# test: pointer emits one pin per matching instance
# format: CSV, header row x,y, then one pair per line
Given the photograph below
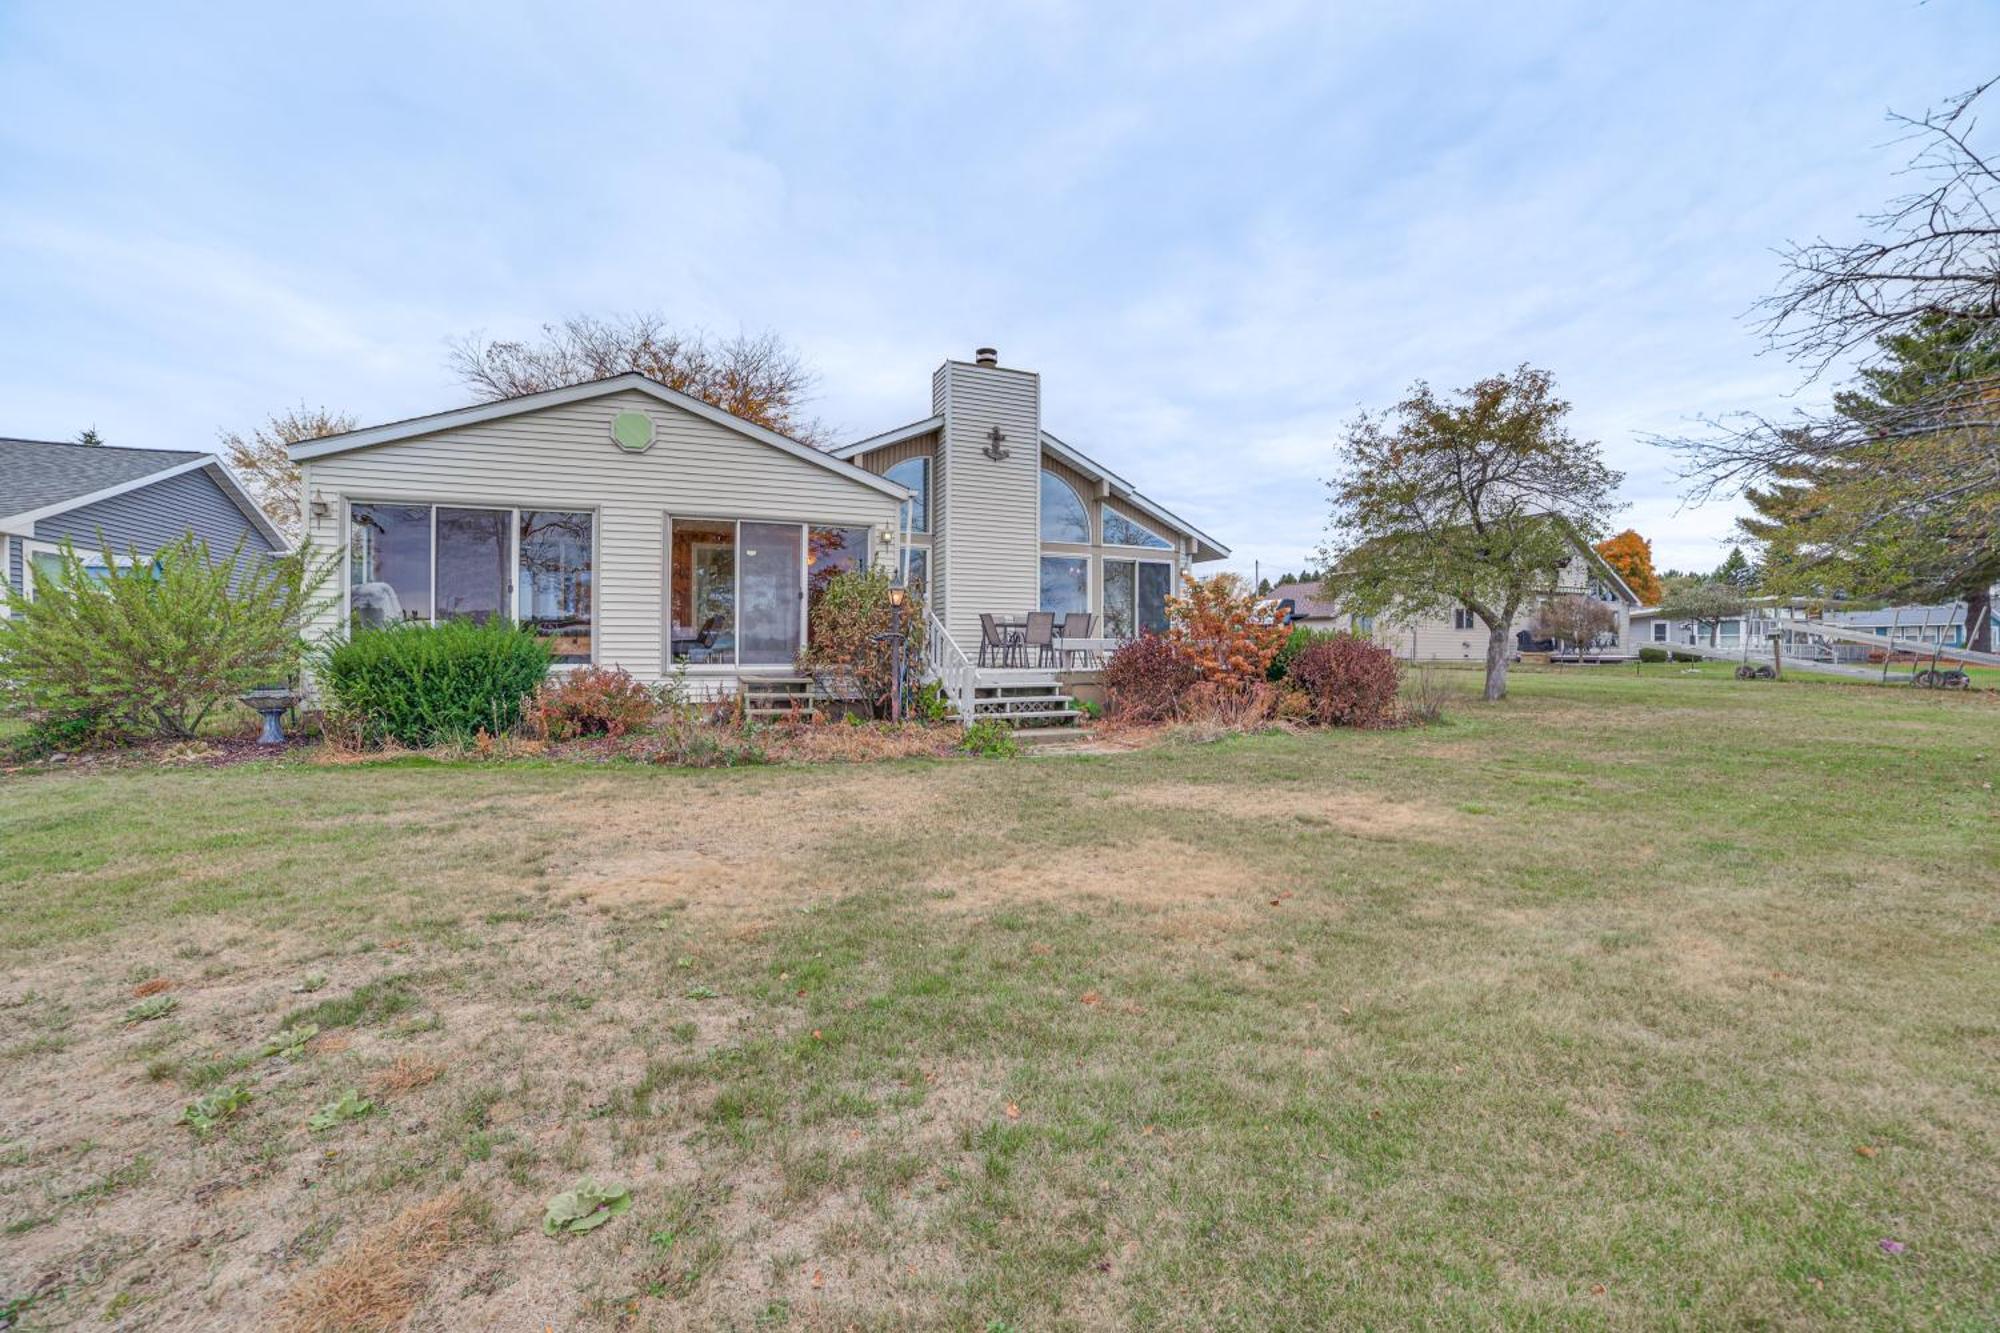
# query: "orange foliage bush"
x,y
1215,625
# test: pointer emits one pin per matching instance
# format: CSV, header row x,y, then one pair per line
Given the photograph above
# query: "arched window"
x,y
915,473
1064,519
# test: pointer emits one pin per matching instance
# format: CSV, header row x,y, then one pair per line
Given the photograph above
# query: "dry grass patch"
x,y
1364,814
375,1282
407,1073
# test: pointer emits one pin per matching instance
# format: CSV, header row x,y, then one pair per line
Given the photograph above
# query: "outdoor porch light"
x,y
320,508
897,594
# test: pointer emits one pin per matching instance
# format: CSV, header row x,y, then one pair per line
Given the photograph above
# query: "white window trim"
x,y
513,600
1104,609
1089,578
805,526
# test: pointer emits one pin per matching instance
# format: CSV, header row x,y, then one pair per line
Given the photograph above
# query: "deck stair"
x,y
778,699
1023,701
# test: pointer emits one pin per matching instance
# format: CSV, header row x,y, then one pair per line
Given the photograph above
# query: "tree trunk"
x,y
1979,619
1496,662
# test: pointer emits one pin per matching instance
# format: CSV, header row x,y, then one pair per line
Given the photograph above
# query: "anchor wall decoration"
x,y
996,448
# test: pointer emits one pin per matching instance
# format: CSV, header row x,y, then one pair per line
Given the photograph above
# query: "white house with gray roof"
x,y
112,503
643,528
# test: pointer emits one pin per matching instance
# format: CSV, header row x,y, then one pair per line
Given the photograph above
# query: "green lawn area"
x,y
1642,999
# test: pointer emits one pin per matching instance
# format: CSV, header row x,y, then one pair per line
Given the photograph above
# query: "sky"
x,y
1218,231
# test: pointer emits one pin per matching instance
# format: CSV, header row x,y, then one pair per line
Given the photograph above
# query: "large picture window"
x,y
425,563
1122,531
914,473
1135,597
1065,583
1064,519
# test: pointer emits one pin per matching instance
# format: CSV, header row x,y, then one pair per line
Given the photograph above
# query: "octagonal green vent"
x,y
633,431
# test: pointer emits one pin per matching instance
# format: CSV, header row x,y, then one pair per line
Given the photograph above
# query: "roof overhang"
x,y
1206,547
914,430
631,381
23,524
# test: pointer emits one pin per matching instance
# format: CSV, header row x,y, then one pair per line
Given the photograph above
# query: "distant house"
x,y
1458,635
110,502
1941,623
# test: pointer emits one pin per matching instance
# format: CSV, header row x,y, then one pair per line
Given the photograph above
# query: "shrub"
x,y
995,740
850,610
1146,680
1652,654
427,684
590,701
1423,699
151,647
1295,643
1352,682
1218,625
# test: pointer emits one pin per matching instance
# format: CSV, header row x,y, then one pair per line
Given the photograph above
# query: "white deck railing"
x,y
946,663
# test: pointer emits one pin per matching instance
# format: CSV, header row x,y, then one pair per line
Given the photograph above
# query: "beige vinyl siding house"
x,y
1459,636
643,529
554,454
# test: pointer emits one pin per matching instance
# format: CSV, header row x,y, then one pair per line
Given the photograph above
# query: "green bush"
x,y
995,740
430,684
1299,640
150,647
1651,654
850,612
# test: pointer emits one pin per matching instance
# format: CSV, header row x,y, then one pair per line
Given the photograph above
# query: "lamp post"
x,y
898,595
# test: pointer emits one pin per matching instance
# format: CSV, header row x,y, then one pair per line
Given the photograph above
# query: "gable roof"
x,y
42,478
1207,547
1306,598
630,381
35,474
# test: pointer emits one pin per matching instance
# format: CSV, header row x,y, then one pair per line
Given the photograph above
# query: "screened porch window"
x,y
424,563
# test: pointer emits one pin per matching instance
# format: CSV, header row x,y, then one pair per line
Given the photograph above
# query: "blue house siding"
x,y
154,515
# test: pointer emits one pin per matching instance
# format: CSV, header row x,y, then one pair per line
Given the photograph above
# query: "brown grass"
x,y
407,1074
375,1282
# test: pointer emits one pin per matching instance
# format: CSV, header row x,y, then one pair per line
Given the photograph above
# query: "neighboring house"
x,y
642,528
1459,635
110,502
1941,623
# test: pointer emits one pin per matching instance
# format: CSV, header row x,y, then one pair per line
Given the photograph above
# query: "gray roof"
x,y
1912,615
37,473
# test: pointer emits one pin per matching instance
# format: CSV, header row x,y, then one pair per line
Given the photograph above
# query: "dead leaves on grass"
x,y
374,1283
407,1074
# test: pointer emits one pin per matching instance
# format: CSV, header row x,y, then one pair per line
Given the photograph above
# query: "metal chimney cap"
x,y
986,356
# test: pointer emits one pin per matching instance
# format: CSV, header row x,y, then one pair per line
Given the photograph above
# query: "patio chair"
x,y
1041,637
995,646
1076,626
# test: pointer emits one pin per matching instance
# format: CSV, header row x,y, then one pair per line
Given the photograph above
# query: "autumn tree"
x,y
1895,492
1708,602
754,376
1474,501
1215,624
1632,556
1574,619
262,460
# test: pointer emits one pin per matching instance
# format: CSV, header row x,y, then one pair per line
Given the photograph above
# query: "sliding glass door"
x,y
773,594
739,591
1135,597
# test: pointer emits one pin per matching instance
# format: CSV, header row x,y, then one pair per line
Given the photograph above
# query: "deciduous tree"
x,y
1709,602
263,459
1632,556
1473,501
1574,619
754,376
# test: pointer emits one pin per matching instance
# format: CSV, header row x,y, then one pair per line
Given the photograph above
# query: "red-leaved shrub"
x,y
1147,679
590,701
1351,682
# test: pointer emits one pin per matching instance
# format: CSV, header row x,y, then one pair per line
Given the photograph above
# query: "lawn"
x,y
1638,1000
